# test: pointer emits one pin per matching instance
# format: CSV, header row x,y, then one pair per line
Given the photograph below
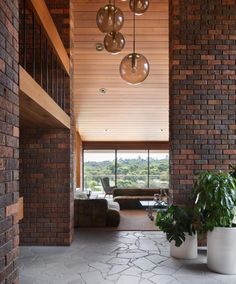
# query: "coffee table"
x,y
150,206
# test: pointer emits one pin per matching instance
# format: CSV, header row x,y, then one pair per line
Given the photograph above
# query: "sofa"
x,y
129,198
96,213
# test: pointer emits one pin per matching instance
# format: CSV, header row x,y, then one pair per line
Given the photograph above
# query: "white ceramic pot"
x,y
221,250
188,249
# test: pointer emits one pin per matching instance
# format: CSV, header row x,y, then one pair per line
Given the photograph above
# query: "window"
x,y
98,164
126,168
132,169
158,169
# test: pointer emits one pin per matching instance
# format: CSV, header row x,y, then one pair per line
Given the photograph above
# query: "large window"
x,y
158,169
98,164
132,169
126,168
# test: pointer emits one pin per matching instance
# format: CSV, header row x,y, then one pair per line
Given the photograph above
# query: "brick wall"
x,y
202,90
60,12
9,133
45,186
32,50
46,167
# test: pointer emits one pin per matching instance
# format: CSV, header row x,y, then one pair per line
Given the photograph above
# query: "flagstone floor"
x,y
114,257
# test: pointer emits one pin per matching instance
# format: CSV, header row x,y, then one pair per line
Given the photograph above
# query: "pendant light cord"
x,y
134,28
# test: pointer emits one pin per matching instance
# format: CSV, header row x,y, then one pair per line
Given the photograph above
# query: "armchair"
x,y
106,186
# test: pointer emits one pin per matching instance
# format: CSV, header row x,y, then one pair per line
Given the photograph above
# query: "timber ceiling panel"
x,y
130,113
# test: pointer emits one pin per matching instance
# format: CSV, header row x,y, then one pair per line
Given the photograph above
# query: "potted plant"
x,y
177,223
215,199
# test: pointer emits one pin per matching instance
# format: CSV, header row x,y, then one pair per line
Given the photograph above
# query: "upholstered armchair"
x,y
106,186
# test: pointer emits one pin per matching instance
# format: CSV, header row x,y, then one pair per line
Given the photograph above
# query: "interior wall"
x,y
47,165
202,90
9,141
45,186
61,15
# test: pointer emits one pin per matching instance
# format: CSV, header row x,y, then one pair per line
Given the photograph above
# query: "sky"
x,y
104,156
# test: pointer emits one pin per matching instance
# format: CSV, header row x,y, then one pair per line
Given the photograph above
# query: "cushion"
x,y
113,205
79,194
148,197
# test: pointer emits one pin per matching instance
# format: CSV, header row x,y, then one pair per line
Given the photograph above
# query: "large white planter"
x,y
221,250
188,249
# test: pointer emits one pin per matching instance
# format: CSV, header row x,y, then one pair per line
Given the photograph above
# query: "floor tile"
x,y
114,258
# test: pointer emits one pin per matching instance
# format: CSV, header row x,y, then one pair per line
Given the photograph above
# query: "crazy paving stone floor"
x,y
114,257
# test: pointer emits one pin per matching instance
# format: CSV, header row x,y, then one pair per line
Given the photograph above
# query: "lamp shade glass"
x,y
114,42
134,68
138,6
110,18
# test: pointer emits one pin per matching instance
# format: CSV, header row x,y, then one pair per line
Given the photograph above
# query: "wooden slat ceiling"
x,y
131,113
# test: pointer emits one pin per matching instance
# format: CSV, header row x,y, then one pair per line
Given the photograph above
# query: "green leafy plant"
x,y
176,222
215,199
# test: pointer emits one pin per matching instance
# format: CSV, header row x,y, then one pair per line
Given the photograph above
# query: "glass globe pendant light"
x,y
138,6
109,18
114,41
134,68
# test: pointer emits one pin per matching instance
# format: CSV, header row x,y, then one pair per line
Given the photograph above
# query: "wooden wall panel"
x,y
131,145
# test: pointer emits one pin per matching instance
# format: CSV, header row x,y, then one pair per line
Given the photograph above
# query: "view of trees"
x,y
130,173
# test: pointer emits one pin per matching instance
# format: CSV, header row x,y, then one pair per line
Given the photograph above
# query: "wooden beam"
x,y
133,145
33,90
46,20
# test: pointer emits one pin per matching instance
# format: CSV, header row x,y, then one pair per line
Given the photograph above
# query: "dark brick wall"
x,y
46,167
60,12
55,81
202,90
9,133
45,186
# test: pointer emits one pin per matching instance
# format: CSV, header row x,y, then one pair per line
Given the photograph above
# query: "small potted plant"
x,y
215,200
178,224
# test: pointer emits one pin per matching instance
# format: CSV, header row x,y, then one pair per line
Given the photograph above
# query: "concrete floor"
x,y
114,257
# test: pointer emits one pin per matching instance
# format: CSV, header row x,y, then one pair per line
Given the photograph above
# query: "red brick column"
x,y
202,90
9,136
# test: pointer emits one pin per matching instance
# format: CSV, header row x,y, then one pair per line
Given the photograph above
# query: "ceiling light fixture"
x,y
110,18
134,68
114,41
102,91
99,46
139,6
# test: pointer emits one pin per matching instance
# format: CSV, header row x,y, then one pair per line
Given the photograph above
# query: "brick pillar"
x,y
45,184
9,134
202,90
46,166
